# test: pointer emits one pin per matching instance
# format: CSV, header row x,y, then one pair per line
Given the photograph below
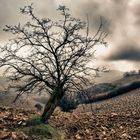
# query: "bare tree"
x,y
48,56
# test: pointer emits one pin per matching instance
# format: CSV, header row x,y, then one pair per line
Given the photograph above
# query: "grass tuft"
x,y
35,128
35,120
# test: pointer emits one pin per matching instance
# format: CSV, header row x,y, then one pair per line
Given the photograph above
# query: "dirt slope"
x,y
114,119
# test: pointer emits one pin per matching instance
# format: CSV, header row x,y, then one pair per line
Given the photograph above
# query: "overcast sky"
x,y
122,23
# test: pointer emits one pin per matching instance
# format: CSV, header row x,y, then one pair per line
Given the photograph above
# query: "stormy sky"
x,y
121,21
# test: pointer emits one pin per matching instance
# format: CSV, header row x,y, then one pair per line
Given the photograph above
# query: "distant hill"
x,y
103,77
127,80
102,91
106,82
109,76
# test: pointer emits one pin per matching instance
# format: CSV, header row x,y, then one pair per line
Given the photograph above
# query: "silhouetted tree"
x,y
50,56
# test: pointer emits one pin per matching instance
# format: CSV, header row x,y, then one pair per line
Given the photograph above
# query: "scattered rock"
x,y
4,135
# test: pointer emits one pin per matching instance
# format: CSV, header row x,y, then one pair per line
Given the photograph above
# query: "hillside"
x,y
127,80
109,76
117,118
100,92
100,89
113,119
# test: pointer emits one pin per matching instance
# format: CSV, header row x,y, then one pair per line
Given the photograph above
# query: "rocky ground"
x,y
10,119
114,119
119,104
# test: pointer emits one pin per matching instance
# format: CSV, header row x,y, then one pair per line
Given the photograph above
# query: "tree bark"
x,y
50,106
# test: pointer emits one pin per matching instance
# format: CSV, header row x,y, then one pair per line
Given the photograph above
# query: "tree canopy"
x,y
50,56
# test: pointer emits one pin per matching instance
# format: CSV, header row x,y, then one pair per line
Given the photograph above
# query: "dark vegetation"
x,y
68,103
34,127
131,73
38,106
21,124
118,91
103,87
98,93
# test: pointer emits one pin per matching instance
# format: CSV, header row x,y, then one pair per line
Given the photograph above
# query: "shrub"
x,y
104,87
38,107
35,128
35,120
67,104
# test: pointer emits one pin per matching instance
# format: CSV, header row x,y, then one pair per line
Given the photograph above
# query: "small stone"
x,y
87,131
104,128
78,137
14,135
19,123
113,114
24,124
125,135
104,133
4,135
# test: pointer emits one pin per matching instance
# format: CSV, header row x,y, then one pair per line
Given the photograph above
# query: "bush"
x,y
38,107
131,73
35,120
104,87
35,128
67,104
42,130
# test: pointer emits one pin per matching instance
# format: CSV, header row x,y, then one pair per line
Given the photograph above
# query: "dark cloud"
x,y
129,52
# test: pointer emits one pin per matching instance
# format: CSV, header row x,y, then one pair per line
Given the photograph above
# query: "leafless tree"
x,y
50,56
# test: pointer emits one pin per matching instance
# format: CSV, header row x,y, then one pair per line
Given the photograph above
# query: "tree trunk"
x,y
49,108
